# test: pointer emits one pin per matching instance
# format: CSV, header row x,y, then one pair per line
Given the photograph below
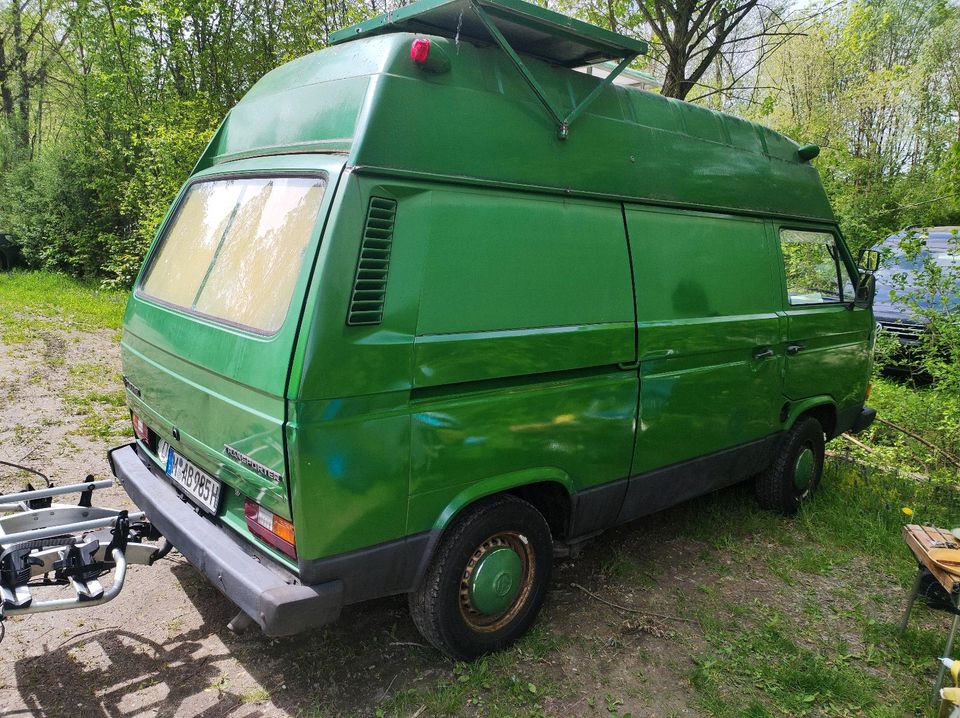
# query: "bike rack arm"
x,y
61,604
59,529
54,491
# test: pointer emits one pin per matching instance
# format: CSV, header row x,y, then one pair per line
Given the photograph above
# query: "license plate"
x,y
197,484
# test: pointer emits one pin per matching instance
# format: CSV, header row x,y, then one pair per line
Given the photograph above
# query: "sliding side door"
x,y
708,333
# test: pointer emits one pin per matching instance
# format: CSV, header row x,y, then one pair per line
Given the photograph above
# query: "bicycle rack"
x,y
48,544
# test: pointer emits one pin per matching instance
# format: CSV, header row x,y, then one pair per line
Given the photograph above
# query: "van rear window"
x,y
233,250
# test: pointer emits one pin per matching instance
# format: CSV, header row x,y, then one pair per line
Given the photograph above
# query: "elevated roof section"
x,y
478,123
530,30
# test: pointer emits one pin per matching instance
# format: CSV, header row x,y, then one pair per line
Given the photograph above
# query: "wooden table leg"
x,y
911,597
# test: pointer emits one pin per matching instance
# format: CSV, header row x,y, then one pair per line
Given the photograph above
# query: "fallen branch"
x,y
946,454
857,442
628,609
876,465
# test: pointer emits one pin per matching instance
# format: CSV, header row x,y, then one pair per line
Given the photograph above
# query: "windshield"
x,y
908,265
234,248
900,261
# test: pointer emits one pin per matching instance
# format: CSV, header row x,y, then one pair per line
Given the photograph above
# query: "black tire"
x,y
777,488
440,605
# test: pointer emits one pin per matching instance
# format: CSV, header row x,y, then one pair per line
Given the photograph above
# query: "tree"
x,y
870,82
732,37
941,62
26,51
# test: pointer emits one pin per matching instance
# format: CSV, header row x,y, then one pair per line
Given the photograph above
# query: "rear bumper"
x,y
864,419
280,606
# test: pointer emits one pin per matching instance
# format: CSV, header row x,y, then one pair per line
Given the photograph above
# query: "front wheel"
x,y
795,472
487,581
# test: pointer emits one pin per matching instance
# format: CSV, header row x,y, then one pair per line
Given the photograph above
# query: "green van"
x,y
434,307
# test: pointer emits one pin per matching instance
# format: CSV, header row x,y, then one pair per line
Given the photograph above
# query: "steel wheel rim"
x,y
519,543
803,470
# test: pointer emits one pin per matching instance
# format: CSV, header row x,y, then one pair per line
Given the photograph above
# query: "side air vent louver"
x,y
370,282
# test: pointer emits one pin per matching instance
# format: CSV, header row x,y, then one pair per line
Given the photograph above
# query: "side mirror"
x,y
868,260
866,290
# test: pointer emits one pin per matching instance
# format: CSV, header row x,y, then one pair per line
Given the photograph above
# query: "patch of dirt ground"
x,y
162,647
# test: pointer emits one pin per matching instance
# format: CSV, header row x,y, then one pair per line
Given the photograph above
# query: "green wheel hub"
x,y
496,581
803,469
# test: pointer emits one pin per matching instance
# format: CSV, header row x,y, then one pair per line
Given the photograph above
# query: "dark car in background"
x,y
904,255
10,256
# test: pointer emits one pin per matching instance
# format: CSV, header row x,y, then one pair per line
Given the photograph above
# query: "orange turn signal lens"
x,y
283,528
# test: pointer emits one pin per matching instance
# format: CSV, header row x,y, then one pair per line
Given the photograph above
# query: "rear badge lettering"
x,y
255,466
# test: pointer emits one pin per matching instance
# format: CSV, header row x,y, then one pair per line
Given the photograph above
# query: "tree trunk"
x,y
6,94
675,82
22,132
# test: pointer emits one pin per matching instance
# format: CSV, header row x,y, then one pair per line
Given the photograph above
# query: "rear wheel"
x,y
795,473
487,581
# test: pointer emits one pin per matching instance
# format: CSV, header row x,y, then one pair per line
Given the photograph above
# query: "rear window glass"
x,y
234,249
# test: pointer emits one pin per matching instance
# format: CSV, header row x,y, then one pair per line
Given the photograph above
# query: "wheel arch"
x,y
546,489
550,491
821,408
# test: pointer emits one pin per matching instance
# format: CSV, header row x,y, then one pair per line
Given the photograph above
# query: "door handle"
x,y
763,353
794,348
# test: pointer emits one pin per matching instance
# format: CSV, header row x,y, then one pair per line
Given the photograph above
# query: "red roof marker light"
x,y
420,50
429,56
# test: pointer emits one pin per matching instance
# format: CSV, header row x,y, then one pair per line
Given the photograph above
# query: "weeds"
x,y
31,302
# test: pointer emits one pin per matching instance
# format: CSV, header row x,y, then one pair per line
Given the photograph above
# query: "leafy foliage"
x,y
873,83
105,106
110,105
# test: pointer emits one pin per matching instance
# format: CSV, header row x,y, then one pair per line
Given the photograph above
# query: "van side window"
x,y
814,267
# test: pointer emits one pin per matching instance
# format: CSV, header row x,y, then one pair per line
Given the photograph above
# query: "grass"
x,y
254,696
795,654
41,308
511,683
31,302
928,411
821,642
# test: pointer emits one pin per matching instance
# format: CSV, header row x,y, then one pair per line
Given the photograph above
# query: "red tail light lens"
x,y
266,525
140,428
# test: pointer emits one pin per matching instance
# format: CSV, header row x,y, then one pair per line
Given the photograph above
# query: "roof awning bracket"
x,y
563,122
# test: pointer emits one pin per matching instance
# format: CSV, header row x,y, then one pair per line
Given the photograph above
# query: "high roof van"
x,y
433,305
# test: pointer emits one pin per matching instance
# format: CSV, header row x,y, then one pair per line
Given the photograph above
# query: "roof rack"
x,y
517,27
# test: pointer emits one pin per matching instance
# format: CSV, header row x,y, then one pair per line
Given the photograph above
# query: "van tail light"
x,y
266,525
869,389
140,428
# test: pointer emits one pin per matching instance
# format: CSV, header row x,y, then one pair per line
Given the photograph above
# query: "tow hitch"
x,y
48,544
